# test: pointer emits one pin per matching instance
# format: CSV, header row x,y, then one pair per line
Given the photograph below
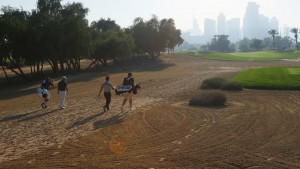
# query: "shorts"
x,y
128,95
48,96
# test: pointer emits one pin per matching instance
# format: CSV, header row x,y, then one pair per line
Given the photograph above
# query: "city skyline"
x,y
183,12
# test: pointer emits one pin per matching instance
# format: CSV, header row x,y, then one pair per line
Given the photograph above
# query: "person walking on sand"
x,y
45,86
62,90
107,86
128,96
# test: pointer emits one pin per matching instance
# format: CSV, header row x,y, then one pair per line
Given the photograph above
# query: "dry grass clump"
x,y
213,83
232,86
208,99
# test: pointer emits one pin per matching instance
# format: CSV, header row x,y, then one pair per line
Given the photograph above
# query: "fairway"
x,y
270,78
251,56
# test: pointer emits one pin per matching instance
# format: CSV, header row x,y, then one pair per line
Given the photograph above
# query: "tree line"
x,y
61,36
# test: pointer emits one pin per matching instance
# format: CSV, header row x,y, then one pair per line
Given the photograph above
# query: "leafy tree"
x,y
13,37
295,32
244,45
220,43
256,45
109,42
273,33
76,36
153,37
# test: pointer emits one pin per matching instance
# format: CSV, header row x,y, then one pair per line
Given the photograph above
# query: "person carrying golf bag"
x,y
128,81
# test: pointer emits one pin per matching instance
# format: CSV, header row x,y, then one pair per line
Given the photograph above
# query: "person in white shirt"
x,y
107,86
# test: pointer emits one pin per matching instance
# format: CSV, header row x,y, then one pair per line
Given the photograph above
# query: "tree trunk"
x,y
62,68
5,73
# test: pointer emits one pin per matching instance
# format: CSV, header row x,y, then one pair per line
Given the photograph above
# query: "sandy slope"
x,y
256,129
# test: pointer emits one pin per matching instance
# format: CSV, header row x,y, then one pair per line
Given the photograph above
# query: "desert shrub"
x,y
208,99
213,83
232,86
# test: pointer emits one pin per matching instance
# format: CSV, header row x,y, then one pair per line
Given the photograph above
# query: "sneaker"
x,y
43,105
122,109
131,109
62,107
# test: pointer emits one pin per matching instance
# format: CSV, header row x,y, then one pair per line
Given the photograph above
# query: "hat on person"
x,y
64,77
129,74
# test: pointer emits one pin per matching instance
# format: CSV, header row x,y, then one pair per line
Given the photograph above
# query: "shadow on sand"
x,y
5,119
82,122
107,122
38,116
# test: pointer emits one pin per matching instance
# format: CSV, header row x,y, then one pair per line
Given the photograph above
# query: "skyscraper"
x,y
251,19
209,28
274,24
221,24
196,30
256,25
233,29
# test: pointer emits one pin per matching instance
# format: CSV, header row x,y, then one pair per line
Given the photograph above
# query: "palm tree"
x,y
273,33
295,31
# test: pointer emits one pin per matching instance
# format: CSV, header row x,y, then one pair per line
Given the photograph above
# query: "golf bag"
x,y
127,89
123,89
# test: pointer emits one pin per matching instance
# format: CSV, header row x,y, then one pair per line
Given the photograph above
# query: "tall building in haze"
x,y
251,19
233,29
209,28
196,30
256,25
274,24
221,24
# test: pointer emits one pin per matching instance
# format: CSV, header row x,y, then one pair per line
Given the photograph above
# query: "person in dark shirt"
x,y
62,90
45,85
128,96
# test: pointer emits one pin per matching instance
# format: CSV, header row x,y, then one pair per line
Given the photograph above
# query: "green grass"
x,y
270,78
251,56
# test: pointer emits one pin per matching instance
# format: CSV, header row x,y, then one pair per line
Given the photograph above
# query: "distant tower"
x,y
196,30
233,29
286,30
209,28
274,24
251,21
221,24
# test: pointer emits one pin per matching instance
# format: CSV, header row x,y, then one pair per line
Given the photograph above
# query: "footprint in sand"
x,y
176,142
140,156
31,161
187,136
161,159
55,153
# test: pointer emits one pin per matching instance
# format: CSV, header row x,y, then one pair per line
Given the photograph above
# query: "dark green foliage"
x,y
220,43
232,86
60,36
154,36
213,83
256,45
208,99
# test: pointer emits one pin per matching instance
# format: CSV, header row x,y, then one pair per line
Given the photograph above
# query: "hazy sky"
x,y
182,11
